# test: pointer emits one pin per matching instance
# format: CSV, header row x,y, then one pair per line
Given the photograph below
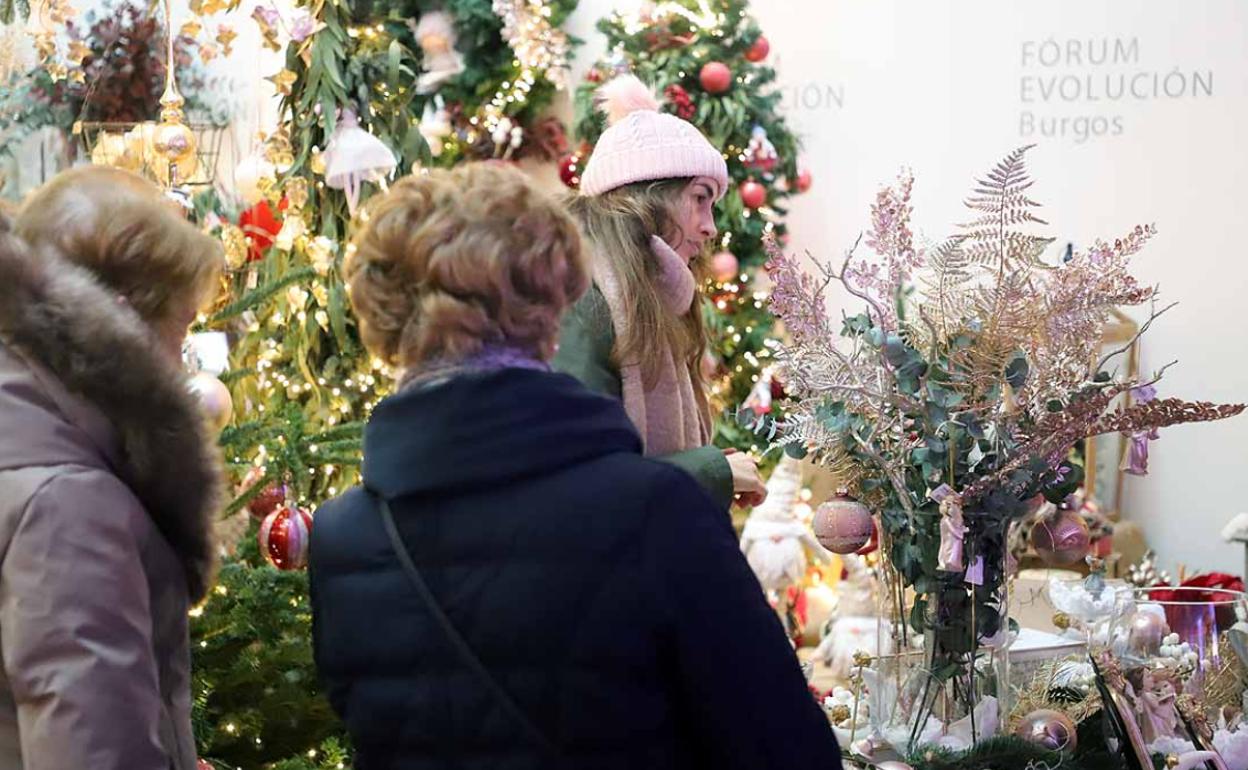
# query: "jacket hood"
x,y
80,378
489,428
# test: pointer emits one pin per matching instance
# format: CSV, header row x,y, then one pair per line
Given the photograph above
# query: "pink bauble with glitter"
x,y
842,524
1061,539
724,266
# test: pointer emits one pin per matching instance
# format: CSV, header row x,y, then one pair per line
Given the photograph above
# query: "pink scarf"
x,y
667,416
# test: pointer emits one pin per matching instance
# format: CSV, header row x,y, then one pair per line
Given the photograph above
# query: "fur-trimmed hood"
x,y
91,362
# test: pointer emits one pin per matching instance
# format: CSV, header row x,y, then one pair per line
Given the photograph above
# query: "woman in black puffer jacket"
x,y
566,602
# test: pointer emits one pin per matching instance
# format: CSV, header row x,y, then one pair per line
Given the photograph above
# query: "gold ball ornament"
x,y
214,398
174,143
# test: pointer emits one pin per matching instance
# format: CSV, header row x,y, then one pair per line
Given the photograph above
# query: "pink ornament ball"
x,y
842,524
715,77
284,536
1062,539
724,266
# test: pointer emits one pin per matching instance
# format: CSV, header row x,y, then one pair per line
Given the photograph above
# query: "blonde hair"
x,y
618,225
122,229
453,260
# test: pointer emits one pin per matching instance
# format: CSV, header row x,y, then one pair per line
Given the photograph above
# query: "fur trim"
x,y
625,95
58,314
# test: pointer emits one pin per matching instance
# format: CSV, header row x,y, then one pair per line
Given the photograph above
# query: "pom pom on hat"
x,y
641,143
625,95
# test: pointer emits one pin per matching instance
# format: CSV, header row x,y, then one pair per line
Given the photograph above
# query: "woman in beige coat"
x,y
108,479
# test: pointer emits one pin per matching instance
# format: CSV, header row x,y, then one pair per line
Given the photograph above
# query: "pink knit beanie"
x,y
641,143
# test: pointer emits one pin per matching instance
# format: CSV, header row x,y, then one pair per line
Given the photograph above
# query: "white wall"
x,y
938,85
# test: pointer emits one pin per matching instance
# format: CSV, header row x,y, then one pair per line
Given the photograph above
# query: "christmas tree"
x,y
707,59
370,89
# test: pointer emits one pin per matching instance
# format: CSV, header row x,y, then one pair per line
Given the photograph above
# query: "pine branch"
x,y
261,294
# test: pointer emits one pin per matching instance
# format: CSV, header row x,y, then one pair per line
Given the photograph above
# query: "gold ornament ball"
x,y
214,398
1048,729
175,144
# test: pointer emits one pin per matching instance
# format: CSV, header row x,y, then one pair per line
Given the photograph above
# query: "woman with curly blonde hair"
x,y
514,585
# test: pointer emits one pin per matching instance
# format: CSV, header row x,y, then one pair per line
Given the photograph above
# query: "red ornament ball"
x,y
1062,539
842,524
758,51
753,194
284,537
570,170
267,501
724,266
715,77
804,180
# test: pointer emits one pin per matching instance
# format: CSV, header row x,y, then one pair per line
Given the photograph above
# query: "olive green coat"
x,y
585,345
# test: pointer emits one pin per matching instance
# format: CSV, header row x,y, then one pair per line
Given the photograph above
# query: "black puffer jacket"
x,y
603,591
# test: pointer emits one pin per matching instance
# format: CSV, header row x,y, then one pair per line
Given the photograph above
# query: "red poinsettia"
x,y
261,225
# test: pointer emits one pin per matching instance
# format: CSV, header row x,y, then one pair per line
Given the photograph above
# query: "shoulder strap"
x,y
457,640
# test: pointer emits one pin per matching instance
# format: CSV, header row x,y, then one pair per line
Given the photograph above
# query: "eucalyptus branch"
x,y
1153,316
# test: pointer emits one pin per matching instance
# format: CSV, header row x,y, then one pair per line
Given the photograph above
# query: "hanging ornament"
x,y
355,156
283,537
436,36
725,267
753,194
682,104
1061,539
594,75
570,170
214,398
1050,730
715,77
173,141
760,154
759,50
842,524
804,180
435,125
268,500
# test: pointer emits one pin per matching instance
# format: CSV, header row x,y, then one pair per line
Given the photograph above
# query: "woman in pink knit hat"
x,y
645,208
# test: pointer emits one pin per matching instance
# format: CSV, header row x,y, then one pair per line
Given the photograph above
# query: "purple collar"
x,y
488,358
